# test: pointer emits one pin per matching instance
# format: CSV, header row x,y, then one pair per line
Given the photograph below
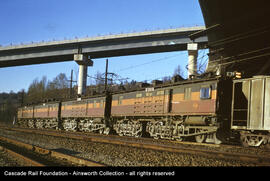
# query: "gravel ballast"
x,y
118,155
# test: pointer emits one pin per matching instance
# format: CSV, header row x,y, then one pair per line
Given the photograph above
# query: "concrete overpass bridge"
x,y
84,49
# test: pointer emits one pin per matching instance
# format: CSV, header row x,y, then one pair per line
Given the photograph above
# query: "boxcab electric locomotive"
x,y
207,109
173,111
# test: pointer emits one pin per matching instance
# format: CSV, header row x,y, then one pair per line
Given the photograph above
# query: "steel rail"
x,y
260,160
16,154
43,151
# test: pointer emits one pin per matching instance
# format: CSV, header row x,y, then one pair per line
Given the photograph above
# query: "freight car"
x,y
208,110
250,115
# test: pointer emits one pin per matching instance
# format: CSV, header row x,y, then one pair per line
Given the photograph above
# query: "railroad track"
x,y
36,156
175,147
21,156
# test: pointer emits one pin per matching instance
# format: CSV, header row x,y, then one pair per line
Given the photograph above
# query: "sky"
x,y
37,20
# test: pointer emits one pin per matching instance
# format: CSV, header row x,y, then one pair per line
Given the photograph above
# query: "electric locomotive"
x,y
206,109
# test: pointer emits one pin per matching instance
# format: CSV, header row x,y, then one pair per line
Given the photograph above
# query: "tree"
x,y
60,81
36,90
178,71
99,79
58,88
21,97
166,79
8,105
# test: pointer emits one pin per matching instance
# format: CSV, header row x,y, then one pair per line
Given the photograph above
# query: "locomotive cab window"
x,y
205,92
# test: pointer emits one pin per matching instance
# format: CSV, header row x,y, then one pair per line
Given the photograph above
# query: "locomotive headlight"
x,y
238,75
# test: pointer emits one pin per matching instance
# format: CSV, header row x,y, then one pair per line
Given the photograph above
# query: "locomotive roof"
x,y
184,82
251,78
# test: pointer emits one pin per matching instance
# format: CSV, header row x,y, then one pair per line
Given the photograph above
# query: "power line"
x,y
146,63
119,78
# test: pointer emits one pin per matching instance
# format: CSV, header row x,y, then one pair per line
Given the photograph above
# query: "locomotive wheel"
x,y
216,140
200,138
244,140
101,131
138,135
106,131
179,139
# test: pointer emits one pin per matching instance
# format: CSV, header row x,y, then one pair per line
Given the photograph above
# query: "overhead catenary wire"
x,y
242,54
135,66
245,59
201,62
146,63
240,36
202,59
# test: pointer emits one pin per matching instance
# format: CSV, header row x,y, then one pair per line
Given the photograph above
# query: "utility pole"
x,y
70,84
106,75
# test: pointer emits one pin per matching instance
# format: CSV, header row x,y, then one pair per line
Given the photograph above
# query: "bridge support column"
x,y
82,79
83,63
192,59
